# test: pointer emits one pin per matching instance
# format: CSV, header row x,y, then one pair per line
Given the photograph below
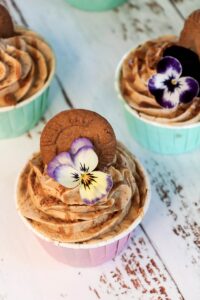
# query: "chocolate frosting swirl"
x,y
26,62
137,68
60,214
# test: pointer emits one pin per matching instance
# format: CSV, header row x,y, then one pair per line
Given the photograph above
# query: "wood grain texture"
x,y
162,260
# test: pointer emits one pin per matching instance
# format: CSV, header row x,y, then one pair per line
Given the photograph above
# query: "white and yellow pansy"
x,y
76,168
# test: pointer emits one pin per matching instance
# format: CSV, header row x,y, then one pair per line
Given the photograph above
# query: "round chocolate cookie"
x,y
65,127
6,24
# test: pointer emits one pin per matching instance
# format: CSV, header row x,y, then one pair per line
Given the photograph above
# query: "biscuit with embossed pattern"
x,y
65,127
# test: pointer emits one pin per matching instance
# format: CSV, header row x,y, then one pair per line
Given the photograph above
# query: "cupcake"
x,y
158,84
27,66
84,192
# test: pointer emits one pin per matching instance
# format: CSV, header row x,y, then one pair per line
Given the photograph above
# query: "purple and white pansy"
x,y
168,87
76,168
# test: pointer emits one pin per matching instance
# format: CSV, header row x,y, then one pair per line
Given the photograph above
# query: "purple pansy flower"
x,y
168,87
76,168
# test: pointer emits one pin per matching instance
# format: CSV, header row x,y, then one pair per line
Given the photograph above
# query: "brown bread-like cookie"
x,y
190,35
65,127
6,24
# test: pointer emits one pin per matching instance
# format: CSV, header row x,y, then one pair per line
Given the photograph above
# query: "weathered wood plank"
x,y
173,218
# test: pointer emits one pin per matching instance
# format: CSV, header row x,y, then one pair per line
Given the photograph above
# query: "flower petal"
x,y
189,88
63,158
80,143
67,176
169,99
170,66
85,160
98,188
156,82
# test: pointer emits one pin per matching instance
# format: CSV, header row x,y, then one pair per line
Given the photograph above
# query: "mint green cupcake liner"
x,y
18,119
96,5
159,138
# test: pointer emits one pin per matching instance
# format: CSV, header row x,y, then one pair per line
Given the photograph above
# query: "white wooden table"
x,y
162,260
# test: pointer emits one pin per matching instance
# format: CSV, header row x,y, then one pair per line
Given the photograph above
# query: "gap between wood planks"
x,y
160,258
173,3
66,97
70,104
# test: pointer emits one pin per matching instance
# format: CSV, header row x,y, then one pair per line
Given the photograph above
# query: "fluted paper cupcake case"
x,y
89,254
159,138
18,119
96,5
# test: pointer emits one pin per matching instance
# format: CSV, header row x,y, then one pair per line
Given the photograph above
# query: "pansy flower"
x,y
168,87
76,168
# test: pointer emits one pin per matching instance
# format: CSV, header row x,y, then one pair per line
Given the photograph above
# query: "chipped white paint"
x,y
163,258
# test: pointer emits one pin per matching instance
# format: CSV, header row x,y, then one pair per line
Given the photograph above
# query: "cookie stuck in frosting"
x,y
6,24
60,132
190,35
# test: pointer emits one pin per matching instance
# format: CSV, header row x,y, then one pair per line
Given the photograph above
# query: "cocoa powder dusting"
x,y
49,201
10,99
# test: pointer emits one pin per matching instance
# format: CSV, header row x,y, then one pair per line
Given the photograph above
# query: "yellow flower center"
x,y
174,81
87,179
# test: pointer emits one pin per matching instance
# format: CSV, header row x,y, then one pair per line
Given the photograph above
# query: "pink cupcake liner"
x,y
85,257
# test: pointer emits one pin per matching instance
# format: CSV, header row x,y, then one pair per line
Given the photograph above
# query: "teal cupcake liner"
x,y
18,119
95,5
159,138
